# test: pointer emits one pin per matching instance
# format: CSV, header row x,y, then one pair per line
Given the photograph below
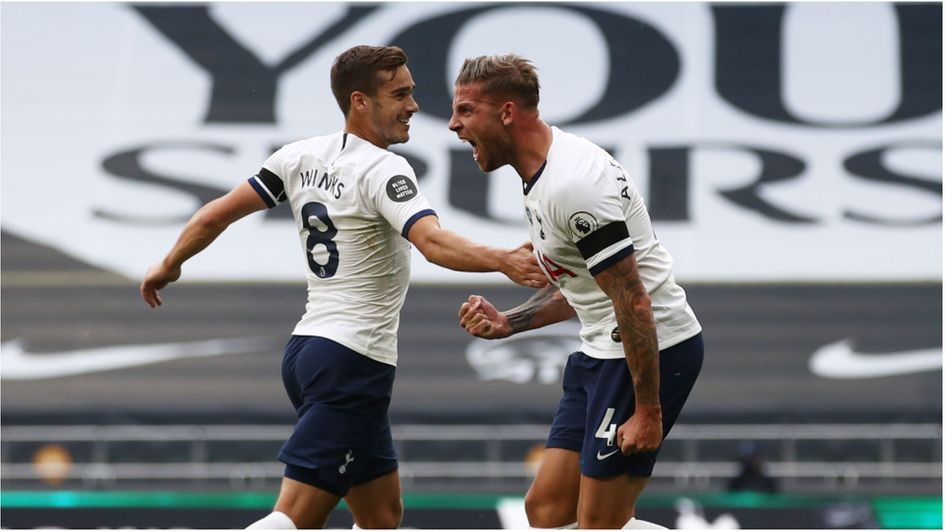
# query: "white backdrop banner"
x,y
773,142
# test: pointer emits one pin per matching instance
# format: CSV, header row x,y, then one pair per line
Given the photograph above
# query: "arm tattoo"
x,y
521,317
637,327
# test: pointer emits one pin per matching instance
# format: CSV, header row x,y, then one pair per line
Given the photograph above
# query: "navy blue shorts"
x,y
598,398
343,437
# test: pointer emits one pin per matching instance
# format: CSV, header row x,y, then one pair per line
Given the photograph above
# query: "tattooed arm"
x,y
480,318
621,282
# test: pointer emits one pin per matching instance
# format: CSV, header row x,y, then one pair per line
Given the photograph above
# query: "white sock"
x,y
636,523
274,521
572,526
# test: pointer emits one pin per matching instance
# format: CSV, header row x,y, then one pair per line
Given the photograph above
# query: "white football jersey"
x,y
585,214
354,204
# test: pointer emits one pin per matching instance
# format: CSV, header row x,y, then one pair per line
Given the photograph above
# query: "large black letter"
x,y
468,187
643,63
244,89
669,182
869,165
775,167
749,67
127,165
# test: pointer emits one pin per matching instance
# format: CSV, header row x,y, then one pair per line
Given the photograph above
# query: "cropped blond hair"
x,y
508,76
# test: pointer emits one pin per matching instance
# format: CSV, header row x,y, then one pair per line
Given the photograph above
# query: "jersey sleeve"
x,y
268,182
594,219
392,188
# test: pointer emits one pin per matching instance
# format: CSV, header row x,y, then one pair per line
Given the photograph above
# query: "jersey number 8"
x,y
316,236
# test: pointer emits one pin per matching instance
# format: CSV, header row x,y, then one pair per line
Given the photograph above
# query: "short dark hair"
x,y
508,76
359,68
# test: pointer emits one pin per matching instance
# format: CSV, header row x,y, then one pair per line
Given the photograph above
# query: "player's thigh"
x,y
306,505
558,476
377,503
552,499
608,502
680,366
374,499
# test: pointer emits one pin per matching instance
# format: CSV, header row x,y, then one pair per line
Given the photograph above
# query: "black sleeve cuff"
x,y
611,260
602,239
413,219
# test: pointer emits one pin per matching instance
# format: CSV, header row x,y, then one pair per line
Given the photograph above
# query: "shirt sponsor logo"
x,y
552,269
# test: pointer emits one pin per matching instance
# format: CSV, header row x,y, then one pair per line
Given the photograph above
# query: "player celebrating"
x,y
593,238
354,204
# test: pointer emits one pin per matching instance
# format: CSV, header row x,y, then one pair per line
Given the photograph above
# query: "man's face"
x,y
392,107
476,120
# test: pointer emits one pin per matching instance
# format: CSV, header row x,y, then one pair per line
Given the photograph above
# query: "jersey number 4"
x,y
314,218
607,430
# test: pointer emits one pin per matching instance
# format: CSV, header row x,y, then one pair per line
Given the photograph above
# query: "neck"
x,y
356,128
532,147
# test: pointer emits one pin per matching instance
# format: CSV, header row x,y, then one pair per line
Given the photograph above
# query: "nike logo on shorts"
x,y
608,455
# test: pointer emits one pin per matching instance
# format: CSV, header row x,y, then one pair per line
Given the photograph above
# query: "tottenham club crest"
x,y
349,457
582,223
528,216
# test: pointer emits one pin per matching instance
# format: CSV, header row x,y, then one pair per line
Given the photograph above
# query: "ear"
x,y
507,113
358,100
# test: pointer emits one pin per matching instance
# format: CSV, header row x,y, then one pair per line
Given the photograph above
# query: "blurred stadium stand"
x,y
811,458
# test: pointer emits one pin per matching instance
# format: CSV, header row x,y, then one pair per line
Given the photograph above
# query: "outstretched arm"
x,y
480,318
450,250
621,282
202,229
